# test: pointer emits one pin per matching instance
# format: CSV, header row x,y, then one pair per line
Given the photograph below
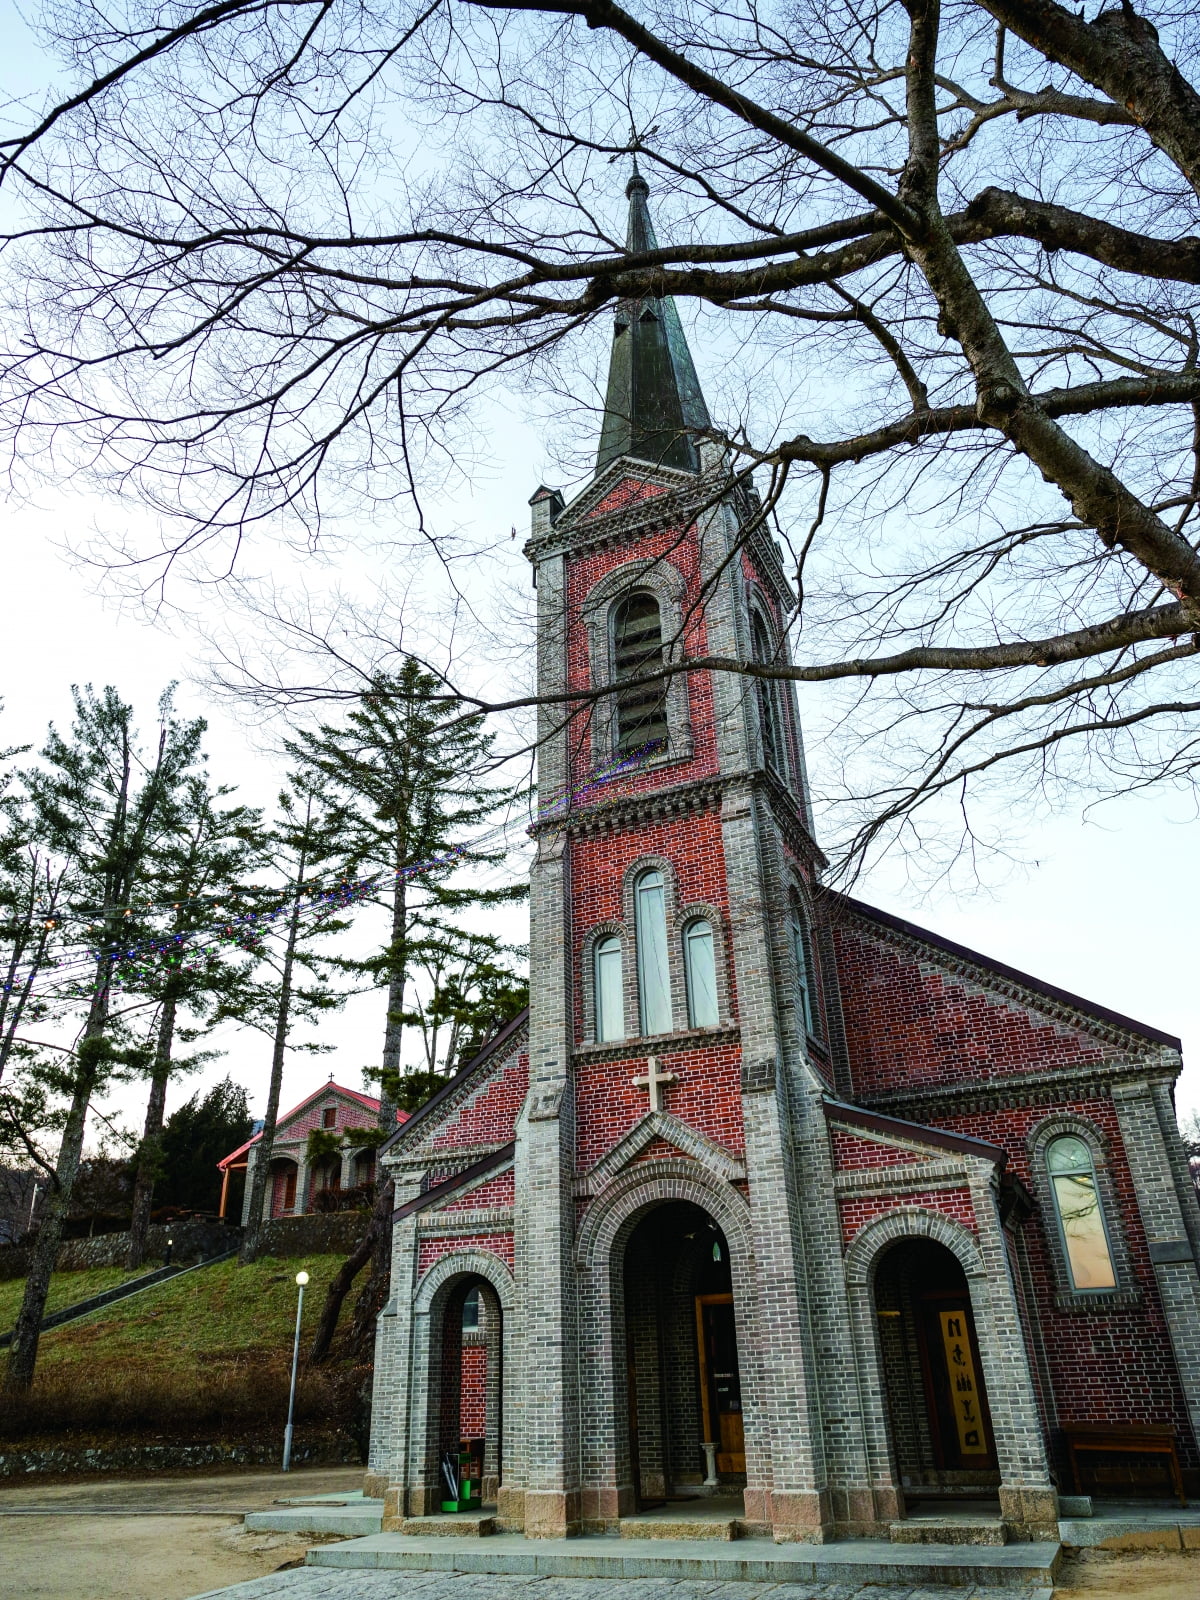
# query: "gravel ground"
x,y
148,1539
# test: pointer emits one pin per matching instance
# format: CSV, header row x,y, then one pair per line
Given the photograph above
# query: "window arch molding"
x,y
701,911
1064,1125
663,580
593,938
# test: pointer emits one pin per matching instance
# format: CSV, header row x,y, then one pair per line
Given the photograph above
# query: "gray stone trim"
x,y
660,1044
1158,1201
614,815
1067,1297
436,1224
661,1125
665,582
1017,1089
449,1156
896,1180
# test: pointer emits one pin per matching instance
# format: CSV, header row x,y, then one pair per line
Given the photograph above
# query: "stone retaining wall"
x,y
337,1451
334,1233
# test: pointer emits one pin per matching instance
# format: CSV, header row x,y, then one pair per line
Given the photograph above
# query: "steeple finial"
x,y
653,403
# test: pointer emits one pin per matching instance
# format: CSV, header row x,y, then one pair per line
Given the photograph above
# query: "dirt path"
x,y
1096,1576
141,1539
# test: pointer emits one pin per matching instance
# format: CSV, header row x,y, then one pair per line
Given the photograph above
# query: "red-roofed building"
x,y
295,1181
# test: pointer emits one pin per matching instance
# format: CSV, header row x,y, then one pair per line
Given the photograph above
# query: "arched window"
x,y
768,697
653,962
610,998
700,965
802,955
1080,1217
638,649
470,1311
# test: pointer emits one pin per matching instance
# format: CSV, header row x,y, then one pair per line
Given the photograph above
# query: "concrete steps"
x,y
1020,1567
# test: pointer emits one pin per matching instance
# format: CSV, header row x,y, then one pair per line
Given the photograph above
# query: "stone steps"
x,y
451,1525
948,1531
678,1528
1018,1567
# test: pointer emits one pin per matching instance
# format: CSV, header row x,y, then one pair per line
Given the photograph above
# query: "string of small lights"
x,y
70,976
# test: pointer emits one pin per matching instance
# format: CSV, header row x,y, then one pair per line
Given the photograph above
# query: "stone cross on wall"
x,y
652,1080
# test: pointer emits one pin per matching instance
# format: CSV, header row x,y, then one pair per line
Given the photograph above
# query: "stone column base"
x,y
865,1513
510,1507
375,1485
1029,1514
552,1514
800,1516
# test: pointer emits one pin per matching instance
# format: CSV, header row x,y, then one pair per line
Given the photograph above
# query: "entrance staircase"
x,y
97,1302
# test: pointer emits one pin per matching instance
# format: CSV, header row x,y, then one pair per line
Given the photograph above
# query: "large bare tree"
x,y
945,258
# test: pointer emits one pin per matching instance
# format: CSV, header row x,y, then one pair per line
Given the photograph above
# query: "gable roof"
x,y
369,1101
962,953
497,1042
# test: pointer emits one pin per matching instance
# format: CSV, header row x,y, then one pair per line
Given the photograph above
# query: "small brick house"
x,y
295,1180
769,1194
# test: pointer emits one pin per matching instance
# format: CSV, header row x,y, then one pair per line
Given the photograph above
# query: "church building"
x,y
769,1196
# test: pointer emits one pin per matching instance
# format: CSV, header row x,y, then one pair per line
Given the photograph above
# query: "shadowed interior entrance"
x,y
684,1385
937,1402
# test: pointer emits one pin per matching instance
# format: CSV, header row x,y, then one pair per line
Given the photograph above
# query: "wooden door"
x,y
720,1381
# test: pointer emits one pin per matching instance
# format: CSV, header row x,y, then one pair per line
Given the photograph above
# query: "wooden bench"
x,y
1150,1438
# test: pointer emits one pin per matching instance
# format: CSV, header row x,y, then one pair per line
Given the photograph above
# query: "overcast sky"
x,y
1104,907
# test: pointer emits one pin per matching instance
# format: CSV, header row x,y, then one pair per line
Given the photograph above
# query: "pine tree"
x,y
412,772
310,844
194,1139
103,807
204,860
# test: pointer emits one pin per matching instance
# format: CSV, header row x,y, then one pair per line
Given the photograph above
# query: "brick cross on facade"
x,y
652,1080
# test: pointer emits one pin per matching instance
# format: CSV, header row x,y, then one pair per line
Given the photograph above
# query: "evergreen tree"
x,y
205,859
309,845
413,774
471,990
103,807
194,1139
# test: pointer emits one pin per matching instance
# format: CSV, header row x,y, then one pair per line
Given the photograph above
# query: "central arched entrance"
x,y
686,1435
938,1414
466,1437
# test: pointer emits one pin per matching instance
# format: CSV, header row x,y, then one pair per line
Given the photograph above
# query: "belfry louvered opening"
x,y
637,650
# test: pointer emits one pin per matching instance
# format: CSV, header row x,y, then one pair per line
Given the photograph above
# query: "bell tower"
x,y
681,1011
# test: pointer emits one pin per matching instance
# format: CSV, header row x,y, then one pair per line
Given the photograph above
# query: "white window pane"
x,y
701,976
654,973
610,1007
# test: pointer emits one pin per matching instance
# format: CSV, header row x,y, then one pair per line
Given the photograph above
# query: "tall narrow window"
x,y
638,649
768,697
654,969
798,933
1080,1218
610,1000
701,968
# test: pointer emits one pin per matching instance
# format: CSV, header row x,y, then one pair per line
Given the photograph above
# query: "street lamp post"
x,y
301,1280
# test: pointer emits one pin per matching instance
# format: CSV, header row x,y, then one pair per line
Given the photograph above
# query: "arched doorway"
x,y
465,1437
283,1197
683,1384
941,1430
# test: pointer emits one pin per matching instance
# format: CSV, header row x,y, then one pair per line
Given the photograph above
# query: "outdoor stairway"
x,y
948,1530
123,1291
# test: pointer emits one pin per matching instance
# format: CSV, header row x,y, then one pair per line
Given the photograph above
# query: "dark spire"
x,y
653,402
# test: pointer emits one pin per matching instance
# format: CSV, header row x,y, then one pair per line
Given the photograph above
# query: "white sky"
x,y
1106,909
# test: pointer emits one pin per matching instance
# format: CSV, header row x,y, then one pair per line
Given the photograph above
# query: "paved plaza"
x,y
323,1583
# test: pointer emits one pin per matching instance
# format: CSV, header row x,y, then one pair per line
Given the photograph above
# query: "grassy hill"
x,y
203,1357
